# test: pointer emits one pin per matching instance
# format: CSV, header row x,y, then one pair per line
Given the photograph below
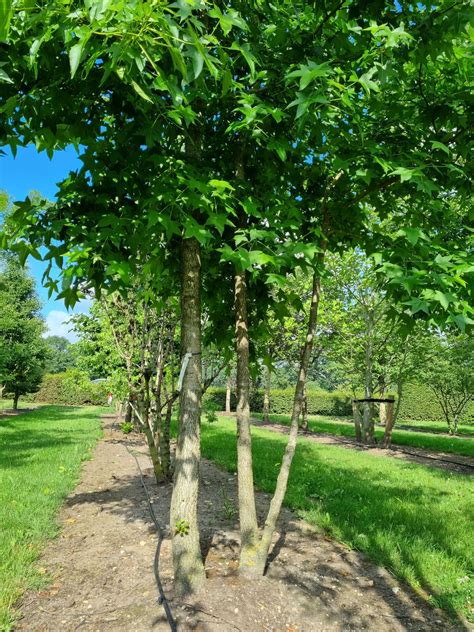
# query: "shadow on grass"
x,y
21,436
413,521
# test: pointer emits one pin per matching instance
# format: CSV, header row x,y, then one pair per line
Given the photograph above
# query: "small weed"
x,y
182,528
126,427
228,510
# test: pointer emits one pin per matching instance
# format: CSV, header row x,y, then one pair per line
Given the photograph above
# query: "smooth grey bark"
x,y
187,561
304,414
389,423
247,509
266,395
357,421
368,430
263,548
228,388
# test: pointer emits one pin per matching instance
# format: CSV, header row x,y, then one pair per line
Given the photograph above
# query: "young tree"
x,y
449,372
23,351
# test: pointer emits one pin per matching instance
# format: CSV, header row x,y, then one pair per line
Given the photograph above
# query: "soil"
x,y
440,460
101,565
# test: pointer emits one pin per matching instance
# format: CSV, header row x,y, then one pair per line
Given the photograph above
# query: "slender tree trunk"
x,y
357,421
187,560
261,553
390,419
16,397
228,388
304,424
166,440
383,407
368,431
399,400
266,395
247,510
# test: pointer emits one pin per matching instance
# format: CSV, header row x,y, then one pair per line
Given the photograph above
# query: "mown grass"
x,y
40,458
416,521
7,404
436,426
437,443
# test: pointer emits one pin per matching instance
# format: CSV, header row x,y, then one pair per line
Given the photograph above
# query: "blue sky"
x,y
33,171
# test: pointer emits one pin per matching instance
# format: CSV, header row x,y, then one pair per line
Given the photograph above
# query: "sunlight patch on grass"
x,y
415,520
331,425
40,457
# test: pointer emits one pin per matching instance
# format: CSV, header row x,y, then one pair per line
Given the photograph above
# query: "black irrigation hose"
x,y
156,562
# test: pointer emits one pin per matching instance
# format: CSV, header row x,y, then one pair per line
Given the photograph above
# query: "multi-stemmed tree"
x,y
258,135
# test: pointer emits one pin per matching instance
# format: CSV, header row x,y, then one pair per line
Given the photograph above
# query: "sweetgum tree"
x,y
265,134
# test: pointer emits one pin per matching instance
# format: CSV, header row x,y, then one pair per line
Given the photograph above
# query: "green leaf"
x,y
444,299
437,145
198,62
4,78
5,18
141,92
226,81
75,53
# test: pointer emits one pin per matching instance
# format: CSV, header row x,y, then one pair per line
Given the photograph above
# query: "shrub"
x,y
73,387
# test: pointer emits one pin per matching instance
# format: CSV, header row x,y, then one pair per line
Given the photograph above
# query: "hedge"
x,y
281,401
71,388
418,403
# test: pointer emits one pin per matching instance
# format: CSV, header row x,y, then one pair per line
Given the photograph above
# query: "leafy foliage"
x,y
23,351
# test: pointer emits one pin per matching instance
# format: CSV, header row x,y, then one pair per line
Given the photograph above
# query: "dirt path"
x,y
440,460
102,576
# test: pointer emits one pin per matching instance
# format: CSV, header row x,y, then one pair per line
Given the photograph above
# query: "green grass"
x,y
7,404
436,426
331,425
414,520
40,458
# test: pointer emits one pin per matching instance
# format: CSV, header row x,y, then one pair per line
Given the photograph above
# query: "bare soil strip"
x,y
101,566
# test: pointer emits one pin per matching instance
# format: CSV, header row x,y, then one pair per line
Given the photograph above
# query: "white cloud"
x,y
58,325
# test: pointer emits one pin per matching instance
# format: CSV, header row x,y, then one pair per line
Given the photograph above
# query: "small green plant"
x,y
229,510
182,528
126,427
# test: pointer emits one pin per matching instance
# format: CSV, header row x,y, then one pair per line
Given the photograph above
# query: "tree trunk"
x,y
266,395
16,397
165,451
187,561
304,423
368,430
247,510
261,553
228,388
390,419
357,421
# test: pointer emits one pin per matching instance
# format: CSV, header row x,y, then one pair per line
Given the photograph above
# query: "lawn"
x,y
436,426
438,443
40,457
416,521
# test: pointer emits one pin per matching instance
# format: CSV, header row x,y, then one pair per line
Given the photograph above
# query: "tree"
x,y
449,372
23,351
263,133
60,354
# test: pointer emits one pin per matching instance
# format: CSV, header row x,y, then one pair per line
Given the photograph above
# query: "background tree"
x,y
23,351
449,372
61,355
